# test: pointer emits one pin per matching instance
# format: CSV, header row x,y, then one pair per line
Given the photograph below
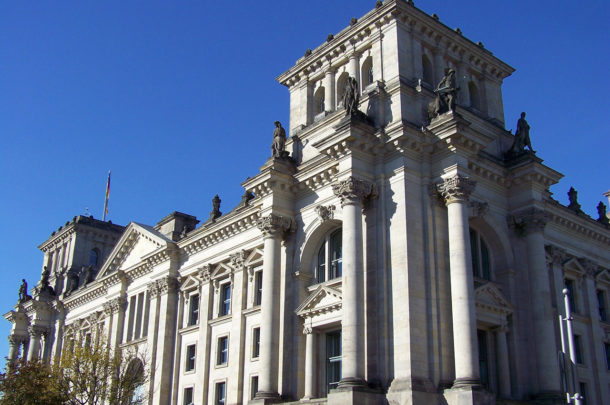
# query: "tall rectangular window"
x,y
225,299
578,349
188,396
571,297
193,310
190,358
253,387
222,351
256,342
333,359
221,392
601,303
607,347
258,287
483,357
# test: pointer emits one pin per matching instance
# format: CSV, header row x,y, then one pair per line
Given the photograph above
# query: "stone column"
x,y
13,347
503,364
354,67
352,192
310,372
35,332
117,308
273,227
439,66
530,223
456,190
329,90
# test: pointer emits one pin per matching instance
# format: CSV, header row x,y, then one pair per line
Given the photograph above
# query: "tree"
x,y
87,374
29,383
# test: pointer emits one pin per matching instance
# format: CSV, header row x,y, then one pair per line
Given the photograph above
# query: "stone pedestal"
x,y
468,396
356,395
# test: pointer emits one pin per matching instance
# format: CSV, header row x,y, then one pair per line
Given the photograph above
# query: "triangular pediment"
x,y
221,270
574,266
323,299
137,242
190,283
489,297
603,276
255,256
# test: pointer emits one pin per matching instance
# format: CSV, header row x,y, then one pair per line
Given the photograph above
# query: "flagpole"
x,y
107,195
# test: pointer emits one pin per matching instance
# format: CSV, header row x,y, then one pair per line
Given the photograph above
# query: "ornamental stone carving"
x,y
167,284
355,191
274,225
237,259
456,189
325,212
115,305
36,331
205,273
307,329
591,268
555,255
530,220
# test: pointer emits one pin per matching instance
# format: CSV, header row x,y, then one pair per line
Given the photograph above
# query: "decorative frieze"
x,y
325,212
530,220
456,188
275,225
355,191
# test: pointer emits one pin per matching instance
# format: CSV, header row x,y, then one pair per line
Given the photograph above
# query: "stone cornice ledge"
x,y
586,226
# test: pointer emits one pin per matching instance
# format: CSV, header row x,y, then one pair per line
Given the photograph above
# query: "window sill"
x,y
223,365
188,329
220,320
190,372
252,310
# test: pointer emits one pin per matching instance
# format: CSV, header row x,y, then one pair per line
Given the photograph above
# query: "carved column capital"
x,y
530,220
166,285
307,329
115,305
555,255
14,340
456,189
353,191
36,331
273,225
237,259
205,273
591,268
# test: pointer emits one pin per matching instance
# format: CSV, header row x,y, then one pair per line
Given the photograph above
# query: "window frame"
x,y
256,342
194,307
190,358
224,352
223,400
601,305
224,310
258,287
190,389
332,267
480,255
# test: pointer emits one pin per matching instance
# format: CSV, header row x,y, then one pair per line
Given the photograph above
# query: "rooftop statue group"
x,y
446,95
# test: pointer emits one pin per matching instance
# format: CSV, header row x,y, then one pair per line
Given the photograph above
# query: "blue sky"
x,y
178,100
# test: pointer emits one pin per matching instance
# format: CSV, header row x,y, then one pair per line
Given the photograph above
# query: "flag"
x,y
107,196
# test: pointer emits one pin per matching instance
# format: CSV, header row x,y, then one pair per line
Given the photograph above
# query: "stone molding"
x,y
529,220
273,225
354,191
238,259
456,189
325,212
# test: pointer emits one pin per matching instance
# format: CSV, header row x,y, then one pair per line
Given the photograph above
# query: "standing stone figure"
x,y
279,141
23,291
446,94
215,208
351,97
601,212
573,198
522,137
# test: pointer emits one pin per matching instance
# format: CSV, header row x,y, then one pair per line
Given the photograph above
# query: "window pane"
x,y
484,261
256,342
601,302
483,357
254,387
188,396
578,349
190,357
223,350
258,285
335,254
474,252
93,257
225,299
333,359
193,309
220,393
321,269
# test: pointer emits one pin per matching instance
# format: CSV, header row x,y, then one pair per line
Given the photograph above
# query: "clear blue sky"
x,y
178,99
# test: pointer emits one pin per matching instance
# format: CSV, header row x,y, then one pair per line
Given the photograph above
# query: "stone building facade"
x,y
391,258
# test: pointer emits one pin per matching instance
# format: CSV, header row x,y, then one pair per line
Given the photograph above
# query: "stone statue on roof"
x,y
23,291
279,142
522,137
446,95
351,97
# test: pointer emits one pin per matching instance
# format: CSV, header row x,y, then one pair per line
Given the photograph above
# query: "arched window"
x,y
93,257
367,72
328,264
319,101
475,97
341,87
427,72
134,381
481,265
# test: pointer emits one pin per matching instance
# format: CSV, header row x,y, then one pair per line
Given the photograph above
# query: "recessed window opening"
x,y
329,259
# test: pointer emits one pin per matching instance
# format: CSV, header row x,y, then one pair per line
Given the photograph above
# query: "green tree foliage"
x,y
87,374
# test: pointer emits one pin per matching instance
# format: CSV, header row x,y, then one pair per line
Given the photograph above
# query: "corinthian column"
x,y
13,347
352,192
273,228
310,373
36,332
530,223
456,190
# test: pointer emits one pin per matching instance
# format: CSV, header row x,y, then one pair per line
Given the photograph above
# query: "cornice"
x,y
84,296
585,226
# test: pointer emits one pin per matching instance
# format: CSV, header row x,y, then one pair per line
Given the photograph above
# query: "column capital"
x,y
115,305
307,330
354,191
166,285
15,340
456,189
529,220
555,255
237,259
273,226
37,331
205,273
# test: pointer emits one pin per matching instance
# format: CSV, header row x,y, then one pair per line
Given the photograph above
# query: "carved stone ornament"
x,y
167,284
117,304
238,259
325,212
478,209
307,329
556,255
527,221
107,308
36,331
591,268
205,273
354,191
456,188
274,225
